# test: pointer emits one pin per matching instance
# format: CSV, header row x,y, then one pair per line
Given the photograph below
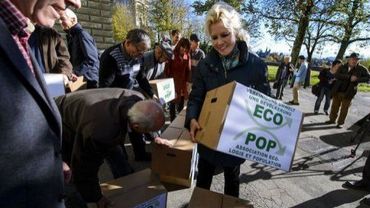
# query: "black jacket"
x,y
84,54
343,82
210,74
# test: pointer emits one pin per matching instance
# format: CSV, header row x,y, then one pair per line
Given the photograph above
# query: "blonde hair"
x,y
222,12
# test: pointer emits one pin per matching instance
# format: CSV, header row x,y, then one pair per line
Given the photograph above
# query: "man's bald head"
x,y
146,116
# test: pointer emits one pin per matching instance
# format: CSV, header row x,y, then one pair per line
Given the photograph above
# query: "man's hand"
x,y
104,203
74,77
194,127
161,141
67,173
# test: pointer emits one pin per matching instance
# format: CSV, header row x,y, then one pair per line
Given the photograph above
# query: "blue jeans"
x,y
323,92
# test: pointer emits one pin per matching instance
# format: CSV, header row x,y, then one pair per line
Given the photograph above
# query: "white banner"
x,y
260,129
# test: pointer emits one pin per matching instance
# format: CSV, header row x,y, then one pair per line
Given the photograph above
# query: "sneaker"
x,y
329,122
339,126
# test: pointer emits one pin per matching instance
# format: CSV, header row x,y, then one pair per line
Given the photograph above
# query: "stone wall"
x,y
95,16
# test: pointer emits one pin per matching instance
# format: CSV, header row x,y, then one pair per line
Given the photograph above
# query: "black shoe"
x,y
329,122
316,113
326,113
366,201
339,126
293,103
146,157
357,185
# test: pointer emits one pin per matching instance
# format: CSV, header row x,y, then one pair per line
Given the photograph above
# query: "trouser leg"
x,y
232,180
334,108
346,103
205,174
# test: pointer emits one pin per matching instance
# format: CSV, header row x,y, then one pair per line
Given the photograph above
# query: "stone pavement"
x,y
321,164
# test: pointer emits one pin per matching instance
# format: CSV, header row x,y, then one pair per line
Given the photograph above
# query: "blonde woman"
x,y
229,60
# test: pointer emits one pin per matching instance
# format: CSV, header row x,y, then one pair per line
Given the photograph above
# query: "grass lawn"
x,y
363,87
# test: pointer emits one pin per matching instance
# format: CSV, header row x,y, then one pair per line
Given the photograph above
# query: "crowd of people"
x,y
47,143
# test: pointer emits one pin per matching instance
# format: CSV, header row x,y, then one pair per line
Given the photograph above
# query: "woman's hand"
x,y
194,127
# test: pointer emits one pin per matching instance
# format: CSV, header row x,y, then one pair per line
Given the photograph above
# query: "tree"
x,y
250,21
166,15
122,20
286,18
351,21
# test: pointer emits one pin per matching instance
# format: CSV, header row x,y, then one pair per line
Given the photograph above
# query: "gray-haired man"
x,y
105,117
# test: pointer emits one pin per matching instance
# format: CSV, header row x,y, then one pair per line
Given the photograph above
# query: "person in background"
x,y
105,117
153,62
326,82
196,54
51,51
229,60
175,37
82,48
300,77
344,89
120,67
179,69
283,74
30,153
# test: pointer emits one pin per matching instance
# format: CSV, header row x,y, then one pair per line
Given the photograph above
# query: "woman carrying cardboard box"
x,y
229,60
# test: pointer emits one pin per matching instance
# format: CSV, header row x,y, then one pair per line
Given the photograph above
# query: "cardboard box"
x,y
140,190
164,89
175,164
243,122
202,198
79,84
55,84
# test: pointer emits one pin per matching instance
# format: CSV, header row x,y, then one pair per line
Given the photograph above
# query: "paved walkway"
x,y
321,165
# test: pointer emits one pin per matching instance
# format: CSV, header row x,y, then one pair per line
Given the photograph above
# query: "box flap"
x,y
213,113
135,189
231,202
202,198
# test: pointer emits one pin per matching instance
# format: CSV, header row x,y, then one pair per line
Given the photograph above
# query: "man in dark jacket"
x,y
95,123
345,88
82,48
152,62
120,64
51,51
283,74
31,173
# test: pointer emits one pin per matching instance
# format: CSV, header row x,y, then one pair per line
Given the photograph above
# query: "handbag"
x,y
316,89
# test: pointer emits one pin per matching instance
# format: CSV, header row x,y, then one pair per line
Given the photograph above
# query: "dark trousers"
x,y
176,108
323,92
280,88
117,161
205,175
342,103
366,171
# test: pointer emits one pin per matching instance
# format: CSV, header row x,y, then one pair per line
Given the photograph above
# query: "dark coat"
x,y
343,83
84,54
113,73
94,122
289,69
54,51
210,74
30,134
